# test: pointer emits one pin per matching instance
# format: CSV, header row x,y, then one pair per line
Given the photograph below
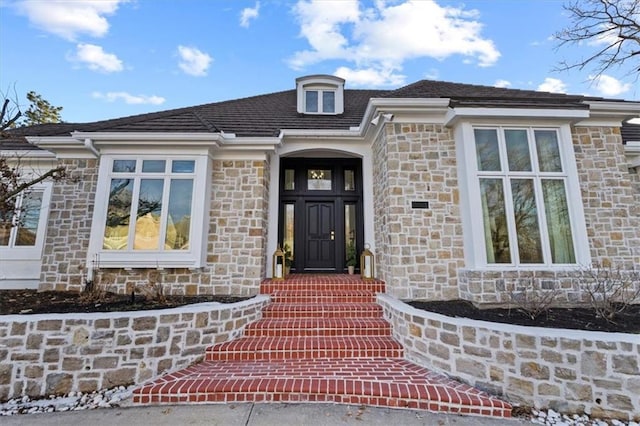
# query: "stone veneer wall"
x,y
236,243
612,214
611,205
420,252
236,251
69,227
422,249
41,355
568,370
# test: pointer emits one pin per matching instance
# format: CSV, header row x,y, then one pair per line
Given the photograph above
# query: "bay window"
x,y
522,187
151,215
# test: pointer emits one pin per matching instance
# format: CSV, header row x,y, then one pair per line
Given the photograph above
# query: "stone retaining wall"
x,y
41,355
570,371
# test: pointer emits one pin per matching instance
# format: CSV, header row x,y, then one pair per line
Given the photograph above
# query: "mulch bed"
x,y
34,302
571,318
28,302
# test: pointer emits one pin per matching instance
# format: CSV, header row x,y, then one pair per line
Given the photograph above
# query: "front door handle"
x,y
333,235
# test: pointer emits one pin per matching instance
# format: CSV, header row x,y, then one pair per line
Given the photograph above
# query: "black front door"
x,y
320,235
320,212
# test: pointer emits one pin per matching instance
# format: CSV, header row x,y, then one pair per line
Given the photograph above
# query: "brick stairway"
x,y
322,339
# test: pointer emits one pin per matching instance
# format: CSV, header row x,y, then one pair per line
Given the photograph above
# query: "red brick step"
x,y
381,382
319,327
322,310
273,348
324,296
322,339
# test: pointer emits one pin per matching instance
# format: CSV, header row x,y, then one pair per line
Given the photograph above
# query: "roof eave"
x,y
454,115
611,113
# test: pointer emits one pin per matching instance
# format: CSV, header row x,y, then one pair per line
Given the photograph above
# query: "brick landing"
x,y
322,339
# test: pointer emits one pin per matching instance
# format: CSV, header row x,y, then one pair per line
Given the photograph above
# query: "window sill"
x,y
132,260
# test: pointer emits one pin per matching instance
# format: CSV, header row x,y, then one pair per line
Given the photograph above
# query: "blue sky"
x,y
102,59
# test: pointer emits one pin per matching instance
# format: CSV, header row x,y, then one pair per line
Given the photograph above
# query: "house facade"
x,y
460,191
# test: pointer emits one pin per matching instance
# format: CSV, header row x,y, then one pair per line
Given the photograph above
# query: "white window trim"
x,y
320,84
97,257
320,101
475,250
35,251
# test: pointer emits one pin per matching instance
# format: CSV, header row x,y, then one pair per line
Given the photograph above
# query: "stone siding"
x,y
69,227
42,355
507,288
420,250
611,203
236,243
570,371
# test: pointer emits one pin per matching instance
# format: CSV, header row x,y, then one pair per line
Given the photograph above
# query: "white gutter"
x,y
27,153
466,113
152,136
320,134
88,143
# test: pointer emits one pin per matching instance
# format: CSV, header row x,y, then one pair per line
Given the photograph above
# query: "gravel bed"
x,y
74,401
121,396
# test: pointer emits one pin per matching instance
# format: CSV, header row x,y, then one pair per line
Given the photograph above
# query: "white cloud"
x,y
70,18
609,86
248,14
608,34
128,98
383,37
96,59
502,83
553,85
193,61
370,77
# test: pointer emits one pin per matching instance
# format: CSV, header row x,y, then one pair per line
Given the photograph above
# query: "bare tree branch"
x,y
57,173
613,26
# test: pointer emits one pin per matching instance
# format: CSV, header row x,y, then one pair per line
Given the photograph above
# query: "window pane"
x,y
518,150
147,233
311,101
548,151
558,223
349,180
349,228
289,179
116,232
29,218
526,217
328,102
496,232
5,233
289,226
319,180
121,166
153,166
487,149
183,166
179,217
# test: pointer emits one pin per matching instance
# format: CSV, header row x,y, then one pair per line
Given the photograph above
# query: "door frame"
x,y
300,195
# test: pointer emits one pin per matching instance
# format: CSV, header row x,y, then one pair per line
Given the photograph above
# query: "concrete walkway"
x,y
249,414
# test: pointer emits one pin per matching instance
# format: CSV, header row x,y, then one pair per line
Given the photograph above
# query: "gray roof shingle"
x,y
265,115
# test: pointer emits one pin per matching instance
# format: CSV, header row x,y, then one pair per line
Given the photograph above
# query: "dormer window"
x,y
320,101
320,94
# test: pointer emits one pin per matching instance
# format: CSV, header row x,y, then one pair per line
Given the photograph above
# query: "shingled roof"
x,y
266,115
